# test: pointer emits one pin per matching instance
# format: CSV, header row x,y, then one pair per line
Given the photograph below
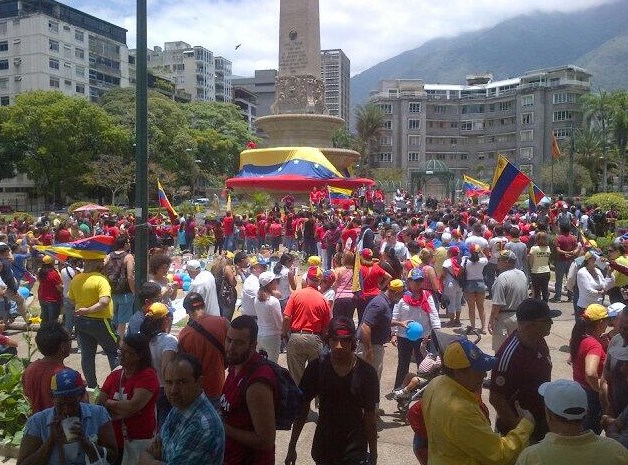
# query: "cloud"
x,y
368,31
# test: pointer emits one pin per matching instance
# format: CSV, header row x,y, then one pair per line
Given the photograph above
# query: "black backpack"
x,y
115,272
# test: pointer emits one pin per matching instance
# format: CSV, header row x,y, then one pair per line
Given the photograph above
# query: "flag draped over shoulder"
x,y
474,188
555,148
165,203
90,248
536,195
508,183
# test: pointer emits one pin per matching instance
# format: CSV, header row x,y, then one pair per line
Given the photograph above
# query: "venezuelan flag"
x,y
474,188
508,183
165,203
536,195
340,197
90,248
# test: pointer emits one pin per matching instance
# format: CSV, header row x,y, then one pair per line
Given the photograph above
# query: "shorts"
x,y
122,308
474,286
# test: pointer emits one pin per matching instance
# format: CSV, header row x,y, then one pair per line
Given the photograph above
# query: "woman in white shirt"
x,y
538,259
474,287
452,292
285,272
591,283
419,306
269,315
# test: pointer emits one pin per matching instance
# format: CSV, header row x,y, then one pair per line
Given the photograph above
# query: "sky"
x,y
368,31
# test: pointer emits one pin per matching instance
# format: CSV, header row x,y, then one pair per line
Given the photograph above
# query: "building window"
x,y
385,140
527,135
414,141
53,63
464,156
527,118
53,45
562,133
526,153
505,106
67,51
68,83
4,45
54,83
440,109
388,124
466,125
80,71
413,156
475,108
80,89
563,115
414,107
527,101
4,101
79,36
4,64
4,83
79,53
385,157
53,27
386,108
564,97
478,124
3,28
453,141
527,169
453,124
414,124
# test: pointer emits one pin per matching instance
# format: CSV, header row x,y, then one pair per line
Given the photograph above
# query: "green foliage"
x,y
186,208
582,178
342,139
394,175
609,200
202,244
369,125
75,205
112,172
261,201
14,407
604,242
21,216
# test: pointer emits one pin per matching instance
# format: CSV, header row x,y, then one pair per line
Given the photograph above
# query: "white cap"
x,y
193,265
615,309
266,278
565,398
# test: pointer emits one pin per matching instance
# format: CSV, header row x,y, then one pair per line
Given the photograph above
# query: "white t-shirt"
x,y
474,271
497,244
269,317
205,285
249,294
479,240
329,295
160,344
67,273
283,285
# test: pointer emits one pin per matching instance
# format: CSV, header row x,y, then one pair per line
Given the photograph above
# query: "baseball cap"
x,y
329,277
366,253
534,309
193,301
595,312
396,285
259,260
314,273
157,310
341,328
463,353
314,260
48,260
615,309
266,278
507,255
565,398
67,382
415,274
193,265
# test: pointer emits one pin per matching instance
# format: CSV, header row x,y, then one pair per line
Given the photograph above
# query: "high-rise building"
x,y
336,75
262,85
247,102
45,45
466,126
194,70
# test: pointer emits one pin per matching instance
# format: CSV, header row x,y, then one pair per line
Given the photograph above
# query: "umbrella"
x,y
92,207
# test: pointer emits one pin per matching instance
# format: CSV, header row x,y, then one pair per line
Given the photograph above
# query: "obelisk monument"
x,y
300,118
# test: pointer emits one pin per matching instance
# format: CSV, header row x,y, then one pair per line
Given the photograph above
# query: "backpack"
x,y
288,394
462,274
115,272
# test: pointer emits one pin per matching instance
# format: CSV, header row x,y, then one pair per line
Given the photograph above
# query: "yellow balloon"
x,y
170,277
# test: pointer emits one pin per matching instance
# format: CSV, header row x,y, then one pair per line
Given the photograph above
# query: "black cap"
x,y
534,309
193,301
342,328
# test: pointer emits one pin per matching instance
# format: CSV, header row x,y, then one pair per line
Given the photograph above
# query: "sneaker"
x,y
401,394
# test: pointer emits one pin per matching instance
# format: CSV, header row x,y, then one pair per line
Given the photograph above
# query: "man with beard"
x,y
248,398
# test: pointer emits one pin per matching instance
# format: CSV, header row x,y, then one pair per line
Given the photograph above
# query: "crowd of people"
x,y
211,393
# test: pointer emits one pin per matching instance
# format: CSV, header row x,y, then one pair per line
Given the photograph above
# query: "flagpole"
x,y
571,155
552,178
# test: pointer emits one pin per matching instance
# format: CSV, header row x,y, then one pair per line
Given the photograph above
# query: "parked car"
x,y
201,201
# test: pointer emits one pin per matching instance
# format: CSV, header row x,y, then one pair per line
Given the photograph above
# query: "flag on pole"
x,y
89,248
474,188
339,197
536,195
165,203
508,183
555,148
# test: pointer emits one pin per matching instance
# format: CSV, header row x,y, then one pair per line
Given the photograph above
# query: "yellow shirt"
x,y
587,448
620,278
458,433
440,255
86,289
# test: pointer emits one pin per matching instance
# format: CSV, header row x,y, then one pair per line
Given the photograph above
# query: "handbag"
x,y
132,450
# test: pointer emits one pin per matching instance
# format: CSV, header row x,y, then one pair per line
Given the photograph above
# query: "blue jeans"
x,y
229,245
90,333
561,268
405,348
68,314
288,242
122,308
250,244
50,311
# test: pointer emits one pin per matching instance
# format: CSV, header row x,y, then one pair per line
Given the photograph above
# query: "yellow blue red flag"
x,y
165,203
536,195
474,188
508,183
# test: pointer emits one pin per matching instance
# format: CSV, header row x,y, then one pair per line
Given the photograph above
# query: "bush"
x,y
14,407
202,245
609,200
21,216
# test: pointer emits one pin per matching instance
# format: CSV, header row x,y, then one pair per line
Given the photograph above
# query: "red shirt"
x,y
63,235
567,242
275,229
47,291
261,228
235,412
143,424
588,346
309,310
250,230
227,225
36,381
349,233
371,276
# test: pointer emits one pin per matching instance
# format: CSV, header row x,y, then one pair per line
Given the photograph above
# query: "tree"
x,y
370,120
582,178
341,138
589,150
58,136
111,172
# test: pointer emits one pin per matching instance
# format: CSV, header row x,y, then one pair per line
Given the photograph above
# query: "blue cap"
x,y
415,274
463,353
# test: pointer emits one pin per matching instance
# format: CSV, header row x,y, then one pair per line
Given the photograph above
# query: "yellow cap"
x,y
48,260
314,260
157,310
396,285
595,312
229,255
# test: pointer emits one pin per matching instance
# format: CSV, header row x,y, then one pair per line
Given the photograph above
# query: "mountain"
x,y
595,38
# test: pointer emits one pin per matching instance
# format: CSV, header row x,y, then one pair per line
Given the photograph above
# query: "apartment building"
x,y
336,75
247,102
466,126
45,45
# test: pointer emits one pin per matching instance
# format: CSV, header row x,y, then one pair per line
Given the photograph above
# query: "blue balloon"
x,y
186,278
186,285
24,292
414,331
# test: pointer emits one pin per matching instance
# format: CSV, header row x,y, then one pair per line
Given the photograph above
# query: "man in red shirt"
x,y
350,232
227,226
261,231
567,248
250,236
247,404
306,317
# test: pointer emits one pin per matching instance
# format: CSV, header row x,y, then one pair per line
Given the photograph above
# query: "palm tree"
x,y
620,129
598,112
369,125
589,147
